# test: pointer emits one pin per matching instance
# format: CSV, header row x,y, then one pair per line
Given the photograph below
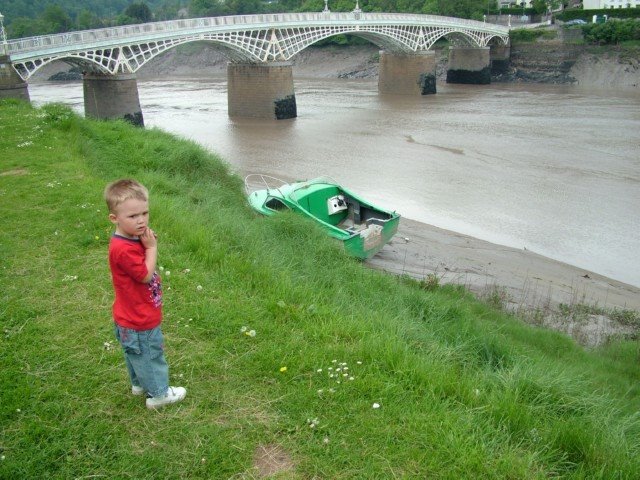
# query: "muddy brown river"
x,y
553,169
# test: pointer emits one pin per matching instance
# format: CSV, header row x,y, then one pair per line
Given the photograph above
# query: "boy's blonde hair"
x,y
122,190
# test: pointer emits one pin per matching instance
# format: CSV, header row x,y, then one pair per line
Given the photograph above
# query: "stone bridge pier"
x,y
407,74
469,65
500,58
261,90
11,85
112,97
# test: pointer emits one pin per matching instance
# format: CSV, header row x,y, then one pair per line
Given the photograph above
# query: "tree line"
x,y
24,18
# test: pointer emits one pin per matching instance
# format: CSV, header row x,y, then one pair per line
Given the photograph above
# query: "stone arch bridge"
x,y
259,49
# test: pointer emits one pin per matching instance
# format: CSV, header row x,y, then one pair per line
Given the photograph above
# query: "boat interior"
x,y
333,206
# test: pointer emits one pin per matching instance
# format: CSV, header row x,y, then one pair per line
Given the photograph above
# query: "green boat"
x,y
362,227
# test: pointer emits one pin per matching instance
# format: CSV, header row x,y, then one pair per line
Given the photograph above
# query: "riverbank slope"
x,y
593,309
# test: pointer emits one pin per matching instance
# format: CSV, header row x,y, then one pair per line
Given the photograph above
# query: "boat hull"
x,y
367,245
362,227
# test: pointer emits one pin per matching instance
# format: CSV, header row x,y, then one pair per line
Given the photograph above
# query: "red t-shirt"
x,y
137,305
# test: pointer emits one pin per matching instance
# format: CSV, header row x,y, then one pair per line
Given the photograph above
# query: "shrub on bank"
x,y
587,15
528,35
612,32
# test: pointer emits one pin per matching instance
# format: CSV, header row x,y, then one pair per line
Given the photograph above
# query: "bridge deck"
x,y
245,38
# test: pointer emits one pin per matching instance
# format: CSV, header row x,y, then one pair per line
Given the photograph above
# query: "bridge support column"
x,y
409,74
261,90
500,55
112,97
470,65
11,84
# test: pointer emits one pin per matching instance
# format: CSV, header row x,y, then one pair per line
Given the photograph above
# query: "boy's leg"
x,y
136,388
161,393
135,383
155,369
144,353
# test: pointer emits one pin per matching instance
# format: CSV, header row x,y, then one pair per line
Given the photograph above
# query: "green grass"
x,y
464,390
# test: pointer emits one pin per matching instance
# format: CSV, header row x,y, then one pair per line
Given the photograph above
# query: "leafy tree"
x,y
207,8
123,19
87,20
24,27
294,5
430,7
168,10
140,12
313,6
473,9
37,17
612,32
539,6
56,20
243,7
542,6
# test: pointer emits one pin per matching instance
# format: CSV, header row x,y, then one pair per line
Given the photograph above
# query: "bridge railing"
x,y
149,30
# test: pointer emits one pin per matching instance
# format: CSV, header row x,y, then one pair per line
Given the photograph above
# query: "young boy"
x,y
137,308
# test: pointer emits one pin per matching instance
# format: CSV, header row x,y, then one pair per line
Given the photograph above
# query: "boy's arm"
x,y
150,244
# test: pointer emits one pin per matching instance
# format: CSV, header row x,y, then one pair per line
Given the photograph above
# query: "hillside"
x,y
352,373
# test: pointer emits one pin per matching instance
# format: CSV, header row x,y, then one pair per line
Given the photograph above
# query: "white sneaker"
x,y
174,394
135,390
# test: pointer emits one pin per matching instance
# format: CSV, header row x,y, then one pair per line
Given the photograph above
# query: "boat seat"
x,y
348,225
375,221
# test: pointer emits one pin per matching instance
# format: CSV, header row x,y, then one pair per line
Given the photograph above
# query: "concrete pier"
x,y
11,84
409,74
469,65
112,97
261,90
500,58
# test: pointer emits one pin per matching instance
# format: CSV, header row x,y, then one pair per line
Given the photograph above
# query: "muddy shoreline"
x,y
517,280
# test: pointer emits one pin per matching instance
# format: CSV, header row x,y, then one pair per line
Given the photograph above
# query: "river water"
x,y
553,169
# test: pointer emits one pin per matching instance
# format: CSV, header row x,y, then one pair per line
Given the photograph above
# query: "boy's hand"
x,y
150,244
148,239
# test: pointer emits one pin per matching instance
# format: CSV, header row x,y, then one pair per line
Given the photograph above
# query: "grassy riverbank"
x,y
460,390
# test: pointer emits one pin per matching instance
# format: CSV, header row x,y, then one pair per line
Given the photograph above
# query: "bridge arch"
x,y
245,38
130,58
95,62
275,45
260,49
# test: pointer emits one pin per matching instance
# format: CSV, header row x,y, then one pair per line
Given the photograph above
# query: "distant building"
x,y
586,4
597,4
513,3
